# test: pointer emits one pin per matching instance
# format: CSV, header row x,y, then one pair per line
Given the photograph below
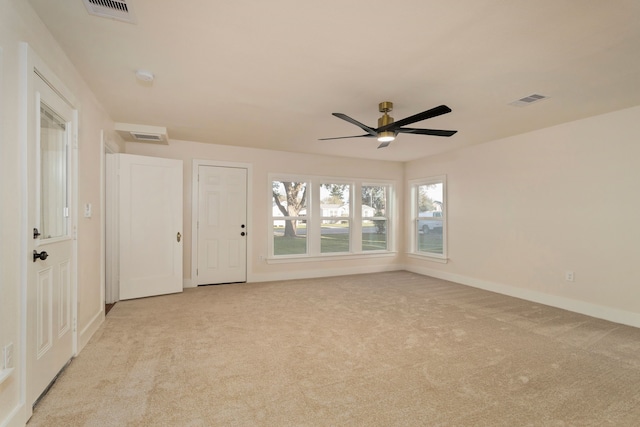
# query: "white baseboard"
x,y
310,274
16,418
87,332
582,307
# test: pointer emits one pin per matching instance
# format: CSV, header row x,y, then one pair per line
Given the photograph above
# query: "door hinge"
x,y
75,324
66,212
75,140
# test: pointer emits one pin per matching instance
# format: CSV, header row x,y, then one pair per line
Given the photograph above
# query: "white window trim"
x,y
390,213
307,217
412,250
314,220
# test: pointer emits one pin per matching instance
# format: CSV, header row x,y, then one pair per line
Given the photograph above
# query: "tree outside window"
x,y
289,217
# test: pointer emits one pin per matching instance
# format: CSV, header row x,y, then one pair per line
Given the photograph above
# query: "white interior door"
x,y
222,225
150,225
51,267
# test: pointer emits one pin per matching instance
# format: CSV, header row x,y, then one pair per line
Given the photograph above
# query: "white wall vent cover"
x,y
142,133
114,9
528,100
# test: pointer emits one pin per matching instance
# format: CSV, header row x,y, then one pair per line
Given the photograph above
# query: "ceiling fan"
x,y
387,129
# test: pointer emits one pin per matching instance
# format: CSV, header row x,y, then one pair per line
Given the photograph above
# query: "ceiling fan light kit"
x,y
387,129
385,136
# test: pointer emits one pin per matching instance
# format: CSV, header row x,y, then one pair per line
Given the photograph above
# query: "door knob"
x,y
242,234
42,255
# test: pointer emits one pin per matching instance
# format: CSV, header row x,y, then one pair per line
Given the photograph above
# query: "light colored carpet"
x,y
391,349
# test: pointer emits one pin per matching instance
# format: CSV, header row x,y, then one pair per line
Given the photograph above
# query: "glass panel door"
x,y
54,174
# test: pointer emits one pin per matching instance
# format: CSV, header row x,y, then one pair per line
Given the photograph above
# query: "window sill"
x,y
329,257
424,257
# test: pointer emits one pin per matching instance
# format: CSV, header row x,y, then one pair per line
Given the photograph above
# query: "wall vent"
x,y
114,9
146,137
142,133
528,100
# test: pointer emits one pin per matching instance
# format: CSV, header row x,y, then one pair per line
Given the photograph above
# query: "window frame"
x,y
322,218
306,217
386,217
413,218
314,218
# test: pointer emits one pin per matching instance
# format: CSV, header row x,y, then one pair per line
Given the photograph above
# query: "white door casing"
x,y
150,225
51,143
221,225
110,229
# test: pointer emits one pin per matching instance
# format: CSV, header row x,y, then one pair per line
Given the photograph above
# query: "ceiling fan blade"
x,y
434,112
344,137
384,144
434,132
365,128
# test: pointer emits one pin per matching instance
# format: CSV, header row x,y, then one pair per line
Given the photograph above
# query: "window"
x,y
314,216
429,217
375,220
335,231
289,213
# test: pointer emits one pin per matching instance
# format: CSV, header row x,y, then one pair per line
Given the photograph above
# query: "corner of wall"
x,y
17,417
87,332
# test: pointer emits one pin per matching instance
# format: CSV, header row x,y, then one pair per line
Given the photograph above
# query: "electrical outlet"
x,y
8,356
568,276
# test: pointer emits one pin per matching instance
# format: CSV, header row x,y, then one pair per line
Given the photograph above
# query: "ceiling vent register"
x,y
114,9
528,100
142,133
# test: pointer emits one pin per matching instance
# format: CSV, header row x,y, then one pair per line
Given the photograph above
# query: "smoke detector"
x,y
113,9
144,75
142,133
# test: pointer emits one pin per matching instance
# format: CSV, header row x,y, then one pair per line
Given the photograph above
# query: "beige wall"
x,y
18,23
262,163
523,210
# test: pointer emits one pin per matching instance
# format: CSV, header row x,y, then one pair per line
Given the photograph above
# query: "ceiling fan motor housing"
x,y
386,119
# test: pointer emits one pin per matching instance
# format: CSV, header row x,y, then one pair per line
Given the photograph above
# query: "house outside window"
x,y
335,230
428,200
375,217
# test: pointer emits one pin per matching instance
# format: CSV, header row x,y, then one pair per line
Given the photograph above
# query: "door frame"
x,y
31,66
108,225
194,212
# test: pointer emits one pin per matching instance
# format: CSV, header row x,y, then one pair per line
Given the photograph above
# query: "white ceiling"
x,y
269,74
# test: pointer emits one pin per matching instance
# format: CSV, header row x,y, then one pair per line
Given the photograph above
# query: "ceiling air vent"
x,y
114,9
146,137
528,100
142,133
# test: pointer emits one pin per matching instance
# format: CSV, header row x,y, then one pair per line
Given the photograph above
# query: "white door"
x,y
222,225
51,266
150,225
